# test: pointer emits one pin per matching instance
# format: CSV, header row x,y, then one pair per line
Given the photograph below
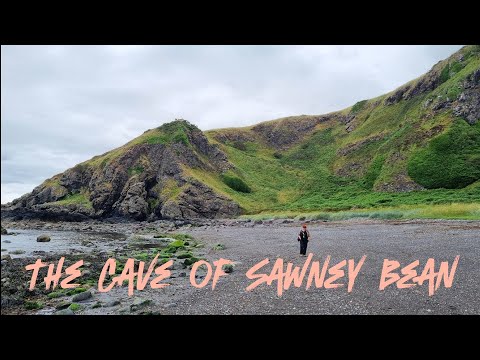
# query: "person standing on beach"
x,y
303,238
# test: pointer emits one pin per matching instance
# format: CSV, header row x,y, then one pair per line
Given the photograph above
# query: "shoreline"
x,y
178,225
246,243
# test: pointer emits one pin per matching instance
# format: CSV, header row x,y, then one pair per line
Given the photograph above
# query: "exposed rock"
x,y
145,181
43,238
441,104
468,105
63,305
17,252
397,95
350,168
139,303
350,120
4,231
399,182
178,265
65,312
283,133
199,201
356,146
132,202
82,296
112,303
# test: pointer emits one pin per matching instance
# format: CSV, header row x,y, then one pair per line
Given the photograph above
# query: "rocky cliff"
x,y
409,146
145,179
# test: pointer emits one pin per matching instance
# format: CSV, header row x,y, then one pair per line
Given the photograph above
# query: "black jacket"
x,y
304,235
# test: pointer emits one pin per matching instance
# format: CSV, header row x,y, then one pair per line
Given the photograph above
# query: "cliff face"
x,y
424,136
145,179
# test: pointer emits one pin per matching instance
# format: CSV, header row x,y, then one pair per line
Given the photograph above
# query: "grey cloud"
x,y
64,104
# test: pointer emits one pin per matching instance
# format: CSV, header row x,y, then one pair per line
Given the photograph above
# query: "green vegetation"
x,y
445,74
81,198
358,106
17,252
75,307
170,190
75,291
176,244
170,133
451,160
443,211
236,183
55,294
142,256
374,171
218,247
239,145
119,266
33,305
136,170
333,170
227,268
190,261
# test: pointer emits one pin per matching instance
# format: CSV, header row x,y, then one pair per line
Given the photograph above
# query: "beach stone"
x,y
139,303
82,296
65,312
63,305
112,303
43,238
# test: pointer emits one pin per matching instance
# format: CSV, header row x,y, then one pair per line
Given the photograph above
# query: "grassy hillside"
x,y
400,154
411,153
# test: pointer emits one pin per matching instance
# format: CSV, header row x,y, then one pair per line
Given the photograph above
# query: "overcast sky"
x,y
62,105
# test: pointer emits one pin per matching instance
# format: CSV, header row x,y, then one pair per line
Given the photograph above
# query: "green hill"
x,y
414,152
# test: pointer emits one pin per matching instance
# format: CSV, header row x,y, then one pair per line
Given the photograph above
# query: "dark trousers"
x,y
303,246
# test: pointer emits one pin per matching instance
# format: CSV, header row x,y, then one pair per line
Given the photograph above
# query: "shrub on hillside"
x,y
240,145
451,160
236,183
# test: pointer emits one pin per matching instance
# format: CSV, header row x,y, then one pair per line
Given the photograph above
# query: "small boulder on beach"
x,y
43,238
82,296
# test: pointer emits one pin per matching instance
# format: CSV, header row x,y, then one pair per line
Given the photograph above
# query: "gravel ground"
x,y
405,242
247,243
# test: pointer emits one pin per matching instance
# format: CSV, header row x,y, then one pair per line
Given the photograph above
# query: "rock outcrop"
x,y
468,103
145,179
